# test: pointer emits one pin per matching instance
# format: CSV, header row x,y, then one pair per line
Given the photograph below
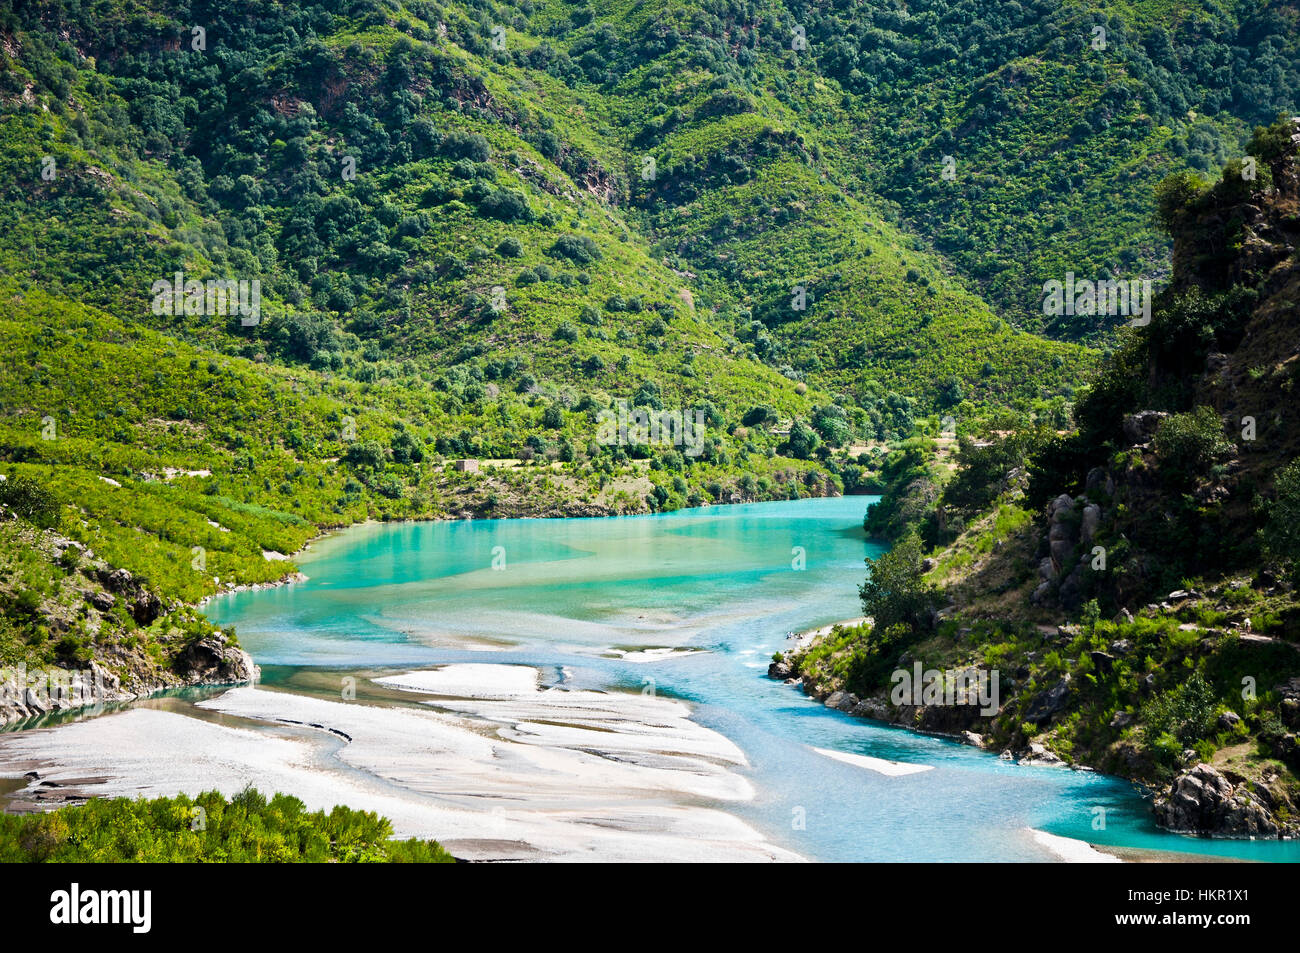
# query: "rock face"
x,y
1038,754
1204,801
1049,703
1072,525
144,605
212,661
962,720
1139,428
28,693
781,669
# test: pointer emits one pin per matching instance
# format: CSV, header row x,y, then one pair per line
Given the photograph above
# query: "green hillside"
x,y
1131,583
478,230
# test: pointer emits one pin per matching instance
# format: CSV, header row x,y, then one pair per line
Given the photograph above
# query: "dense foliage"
x,y
246,828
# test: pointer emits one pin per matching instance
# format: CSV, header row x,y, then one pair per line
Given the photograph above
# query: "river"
x,y
688,605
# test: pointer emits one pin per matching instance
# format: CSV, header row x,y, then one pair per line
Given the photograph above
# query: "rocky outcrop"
x,y
33,692
213,661
143,604
27,693
1072,525
781,669
962,720
1139,428
1048,704
1205,801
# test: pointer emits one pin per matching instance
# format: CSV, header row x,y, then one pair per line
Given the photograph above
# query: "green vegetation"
x,y
1132,578
894,593
1281,532
246,828
479,230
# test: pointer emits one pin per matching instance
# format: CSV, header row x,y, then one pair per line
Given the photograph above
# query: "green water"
x,y
570,596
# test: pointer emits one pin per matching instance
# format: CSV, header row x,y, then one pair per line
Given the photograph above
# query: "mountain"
x,y
273,268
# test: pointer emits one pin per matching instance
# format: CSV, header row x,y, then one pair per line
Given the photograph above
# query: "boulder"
x,y
1139,428
841,701
117,580
1088,525
145,607
780,669
1228,720
1038,754
1103,662
1203,801
1049,703
211,660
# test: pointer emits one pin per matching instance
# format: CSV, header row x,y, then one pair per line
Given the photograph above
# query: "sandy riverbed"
x,y
496,769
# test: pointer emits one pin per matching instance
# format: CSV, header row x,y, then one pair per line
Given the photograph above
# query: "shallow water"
x,y
571,596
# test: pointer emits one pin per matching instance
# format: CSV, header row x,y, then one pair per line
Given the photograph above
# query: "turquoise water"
x,y
570,596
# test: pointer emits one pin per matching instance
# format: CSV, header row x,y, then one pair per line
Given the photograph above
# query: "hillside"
x,y
475,231
455,258
1131,584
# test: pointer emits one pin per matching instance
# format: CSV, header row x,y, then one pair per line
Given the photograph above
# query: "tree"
x,y
803,441
895,592
832,423
1176,195
1281,535
366,453
1187,444
578,248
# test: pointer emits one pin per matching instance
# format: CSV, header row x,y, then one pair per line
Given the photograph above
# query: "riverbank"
x,y
1239,808
496,768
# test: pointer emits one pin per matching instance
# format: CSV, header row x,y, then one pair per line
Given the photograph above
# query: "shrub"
x,y
577,248
1185,714
1188,443
249,827
31,500
894,592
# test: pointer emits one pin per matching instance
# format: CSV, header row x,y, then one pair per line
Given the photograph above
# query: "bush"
x,y
1187,444
366,453
463,145
510,247
1185,715
803,441
577,248
248,828
31,500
